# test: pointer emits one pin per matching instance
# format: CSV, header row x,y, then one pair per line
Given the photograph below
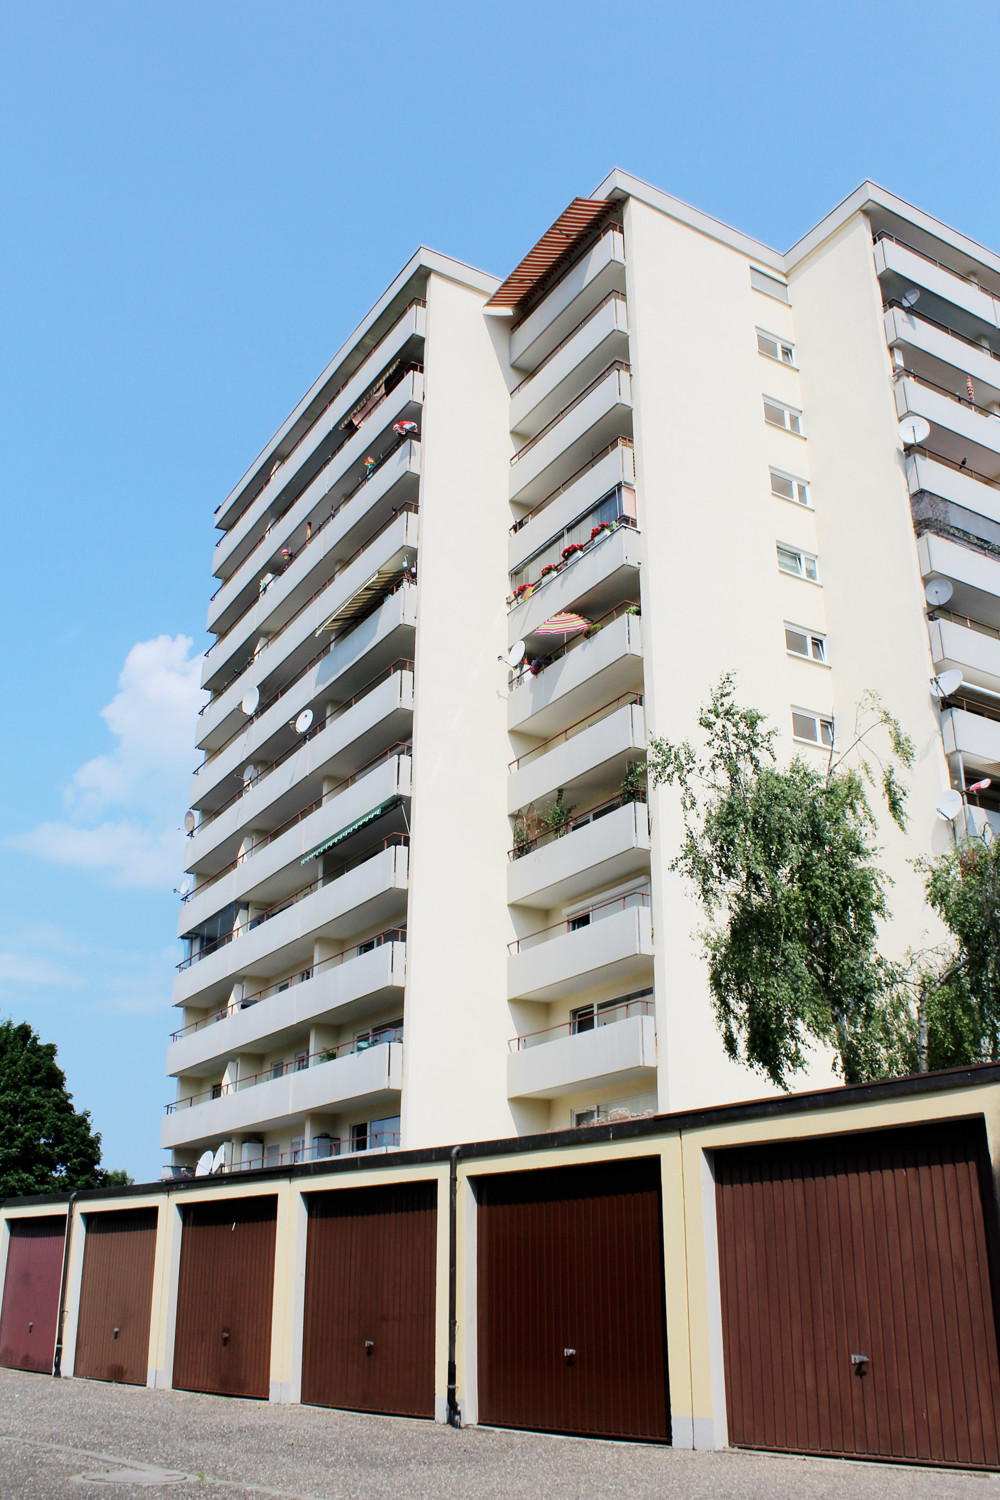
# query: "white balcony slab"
x,y
975,654
907,331
976,738
594,344
592,583
574,685
395,482
957,430
587,760
600,271
603,414
371,895
335,995
616,946
924,474
231,548
580,495
272,871
975,577
916,270
374,1076
609,1056
588,858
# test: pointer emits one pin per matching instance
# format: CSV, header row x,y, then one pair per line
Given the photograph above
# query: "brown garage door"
x,y
572,1335
224,1296
31,1293
116,1295
870,1245
368,1336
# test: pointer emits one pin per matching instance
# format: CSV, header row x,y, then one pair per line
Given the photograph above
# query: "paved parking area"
x,y
130,1441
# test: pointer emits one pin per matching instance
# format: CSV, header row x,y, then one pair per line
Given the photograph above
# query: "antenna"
x,y
910,297
250,701
190,821
304,721
946,683
515,656
948,806
204,1164
938,590
219,1159
914,430
249,772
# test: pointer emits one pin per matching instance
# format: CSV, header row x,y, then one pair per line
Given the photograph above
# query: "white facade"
x,y
387,940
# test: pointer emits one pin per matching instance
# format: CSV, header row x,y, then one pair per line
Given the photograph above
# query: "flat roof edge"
x,y
622,184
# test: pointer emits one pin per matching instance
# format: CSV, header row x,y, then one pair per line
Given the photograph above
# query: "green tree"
x,y
785,866
45,1145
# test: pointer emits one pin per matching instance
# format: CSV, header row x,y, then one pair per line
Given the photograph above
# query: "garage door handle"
x,y
859,1361
30,1327
116,1333
369,1345
569,1355
225,1335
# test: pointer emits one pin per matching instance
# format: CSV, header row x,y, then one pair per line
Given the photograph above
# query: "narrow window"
x,y
798,564
775,348
776,414
769,285
805,643
812,727
785,487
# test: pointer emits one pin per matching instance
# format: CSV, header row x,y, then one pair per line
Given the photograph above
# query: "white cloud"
x,y
23,968
123,807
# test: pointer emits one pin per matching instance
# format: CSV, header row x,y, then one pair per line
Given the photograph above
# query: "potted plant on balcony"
x,y
633,787
558,815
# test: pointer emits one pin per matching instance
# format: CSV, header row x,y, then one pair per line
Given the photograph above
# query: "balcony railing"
x,y
379,1037
943,328
559,273
951,463
393,839
578,820
579,1024
942,390
617,364
554,494
604,712
322,1150
611,297
972,706
894,239
965,621
537,664
578,921
566,550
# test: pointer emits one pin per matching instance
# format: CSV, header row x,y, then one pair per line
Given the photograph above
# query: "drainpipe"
x,y
454,1415
57,1359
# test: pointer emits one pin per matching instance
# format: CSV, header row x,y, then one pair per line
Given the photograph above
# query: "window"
x,y
812,727
272,1154
277,1070
779,415
805,643
298,1148
302,1062
216,1090
787,488
769,285
586,1017
775,348
575,923
797,563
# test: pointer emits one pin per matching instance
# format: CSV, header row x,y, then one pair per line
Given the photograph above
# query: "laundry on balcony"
x,y
404,429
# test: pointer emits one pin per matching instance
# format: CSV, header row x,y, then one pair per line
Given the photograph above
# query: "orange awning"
x,y
555,244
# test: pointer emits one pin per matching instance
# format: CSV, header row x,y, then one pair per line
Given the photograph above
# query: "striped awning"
x,y
359,601
555,244
369,817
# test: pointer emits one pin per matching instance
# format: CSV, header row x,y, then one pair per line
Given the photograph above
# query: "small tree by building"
x,y
958,986
46,1146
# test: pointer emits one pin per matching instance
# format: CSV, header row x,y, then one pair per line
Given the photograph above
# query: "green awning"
x,y
369,817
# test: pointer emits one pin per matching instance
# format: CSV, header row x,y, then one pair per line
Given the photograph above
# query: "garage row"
x,y
814,1275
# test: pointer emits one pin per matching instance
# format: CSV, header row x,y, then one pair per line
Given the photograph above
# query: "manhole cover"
x,y
137,1476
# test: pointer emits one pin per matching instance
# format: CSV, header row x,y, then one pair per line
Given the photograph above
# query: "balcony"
x,y
597,341
579,677
335,532
583,758
899,267
604,846
246,532
338,991
959,430
369,893
975,578
289,615
973,733
591,582
973,648
561,1061
588,281
269,872
556,512
610,943
946,354
339,1079
601,413
930,474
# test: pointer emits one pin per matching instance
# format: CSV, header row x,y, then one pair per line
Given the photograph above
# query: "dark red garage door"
x,y
116,1295
224,1297
368,1336
31,1293
572,1331
872,1245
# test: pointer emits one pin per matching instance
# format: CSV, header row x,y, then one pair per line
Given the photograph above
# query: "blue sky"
x,y
199,203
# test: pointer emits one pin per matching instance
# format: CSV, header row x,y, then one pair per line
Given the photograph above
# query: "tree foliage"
x,y
785,865
959,985
46,1146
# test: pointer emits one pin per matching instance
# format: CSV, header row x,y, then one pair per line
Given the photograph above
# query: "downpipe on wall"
x,y
454,1416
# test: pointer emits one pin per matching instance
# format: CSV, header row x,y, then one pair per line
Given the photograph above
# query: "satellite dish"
x,y
219,1159
250,701
946,683
190,821
938,591
515,656
304,721
910,297
204,1164
949,805
184,889
249,772
914,430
